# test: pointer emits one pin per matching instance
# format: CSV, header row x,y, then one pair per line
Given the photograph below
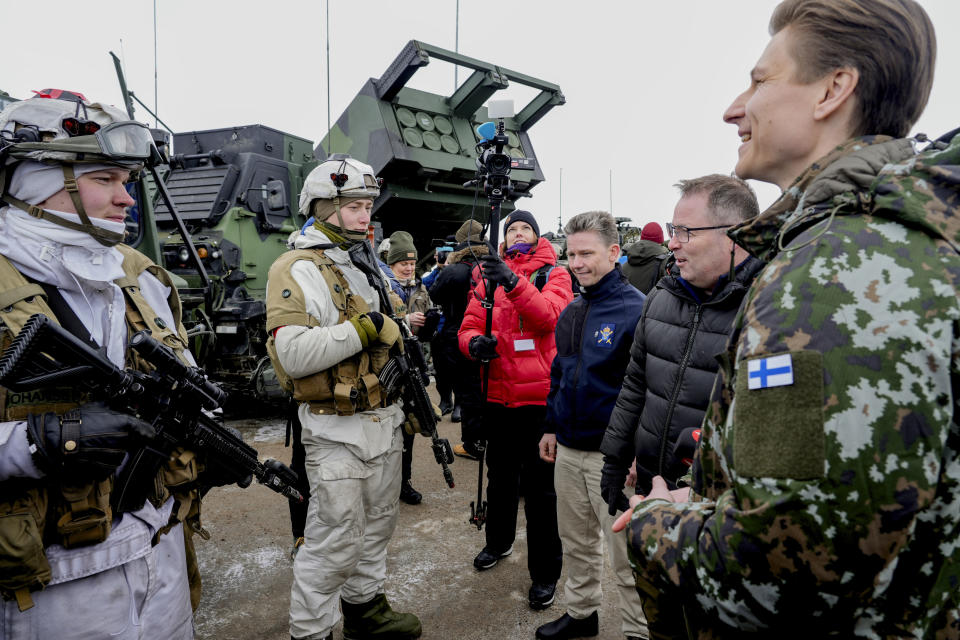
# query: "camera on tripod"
x,y
493,163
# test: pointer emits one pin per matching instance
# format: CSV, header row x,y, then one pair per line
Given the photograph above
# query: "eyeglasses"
x,y
682,234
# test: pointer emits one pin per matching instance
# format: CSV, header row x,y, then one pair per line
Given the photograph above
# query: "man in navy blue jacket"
x,y
594,334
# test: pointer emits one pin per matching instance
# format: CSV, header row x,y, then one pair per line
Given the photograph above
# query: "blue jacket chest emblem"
x,y
605,335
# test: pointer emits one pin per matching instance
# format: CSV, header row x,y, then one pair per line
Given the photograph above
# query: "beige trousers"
x,y
584,521
350,519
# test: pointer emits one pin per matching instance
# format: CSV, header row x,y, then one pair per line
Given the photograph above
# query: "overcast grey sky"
x,y
646,83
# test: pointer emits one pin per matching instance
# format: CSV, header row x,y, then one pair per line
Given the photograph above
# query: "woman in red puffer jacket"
x,y
529,297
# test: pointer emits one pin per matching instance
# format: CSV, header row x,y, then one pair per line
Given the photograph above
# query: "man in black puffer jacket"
x,y
685,323
451,290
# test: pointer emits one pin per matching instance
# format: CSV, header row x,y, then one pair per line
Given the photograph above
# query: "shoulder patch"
x,y
778,425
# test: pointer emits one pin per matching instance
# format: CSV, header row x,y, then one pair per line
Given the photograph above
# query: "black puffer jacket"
x,y
672,367
451,290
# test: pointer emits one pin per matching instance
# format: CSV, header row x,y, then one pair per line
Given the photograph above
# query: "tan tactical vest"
x,y
34,513
350,385
419,301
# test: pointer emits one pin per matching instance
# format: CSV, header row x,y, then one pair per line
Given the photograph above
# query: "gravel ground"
x,y
247,572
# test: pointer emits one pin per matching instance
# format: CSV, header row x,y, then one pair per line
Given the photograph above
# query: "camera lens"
x,y
499,163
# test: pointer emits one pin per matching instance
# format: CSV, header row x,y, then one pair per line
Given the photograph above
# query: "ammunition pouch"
x,y
83,513
23,563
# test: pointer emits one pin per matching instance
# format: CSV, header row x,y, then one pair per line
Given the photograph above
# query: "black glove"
x,y
89,442
428,331
483,347
611,488
221,475
377,318
496,270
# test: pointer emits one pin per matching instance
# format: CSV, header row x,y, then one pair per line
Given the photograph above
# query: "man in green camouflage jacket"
x,y
830,455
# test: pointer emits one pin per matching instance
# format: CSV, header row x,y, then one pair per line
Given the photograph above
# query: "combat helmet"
x,y
61,128
341,180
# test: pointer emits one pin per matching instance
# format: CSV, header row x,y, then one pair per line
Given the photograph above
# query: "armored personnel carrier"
x,y
236,191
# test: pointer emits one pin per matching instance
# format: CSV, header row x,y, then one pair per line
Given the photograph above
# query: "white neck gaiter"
x,y
82,268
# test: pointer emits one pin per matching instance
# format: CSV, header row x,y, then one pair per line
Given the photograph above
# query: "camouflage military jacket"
x,y
830,456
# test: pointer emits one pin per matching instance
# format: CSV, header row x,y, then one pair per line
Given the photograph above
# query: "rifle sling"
x,y
66,316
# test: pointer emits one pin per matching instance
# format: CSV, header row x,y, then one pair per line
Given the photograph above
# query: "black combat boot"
x,y
408,494
375,620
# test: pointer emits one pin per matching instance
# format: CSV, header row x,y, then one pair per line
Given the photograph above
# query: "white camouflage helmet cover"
x,y
47,115
361,183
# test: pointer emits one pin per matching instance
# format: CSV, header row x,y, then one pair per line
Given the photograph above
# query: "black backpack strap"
x,y
661,270
66,316
541,276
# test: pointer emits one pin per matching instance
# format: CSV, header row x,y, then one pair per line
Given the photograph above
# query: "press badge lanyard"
x,y
523,344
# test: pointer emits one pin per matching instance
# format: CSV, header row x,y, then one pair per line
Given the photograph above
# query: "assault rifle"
x,y
405,371
171,398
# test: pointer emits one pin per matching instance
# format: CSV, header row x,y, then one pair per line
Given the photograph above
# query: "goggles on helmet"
x,y
126,141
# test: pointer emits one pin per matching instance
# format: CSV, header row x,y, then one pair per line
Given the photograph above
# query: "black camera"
x,y
493,164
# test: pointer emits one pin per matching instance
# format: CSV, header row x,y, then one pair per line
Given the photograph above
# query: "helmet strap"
x,y
336,207
70,184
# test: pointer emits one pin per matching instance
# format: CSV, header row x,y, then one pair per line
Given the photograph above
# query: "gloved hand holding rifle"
x,y
134,416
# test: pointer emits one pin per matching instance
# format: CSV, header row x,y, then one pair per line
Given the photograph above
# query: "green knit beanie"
x,y
401,247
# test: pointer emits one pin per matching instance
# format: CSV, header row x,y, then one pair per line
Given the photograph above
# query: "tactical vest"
x,y
35,513
418,300
352,384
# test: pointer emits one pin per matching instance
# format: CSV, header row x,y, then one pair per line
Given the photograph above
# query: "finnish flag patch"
x,y
775,371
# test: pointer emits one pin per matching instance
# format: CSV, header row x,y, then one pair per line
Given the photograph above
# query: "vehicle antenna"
x,y
456,45
560,194
155,79
329,138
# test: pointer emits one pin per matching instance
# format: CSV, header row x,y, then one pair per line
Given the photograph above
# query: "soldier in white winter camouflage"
x,y
829,465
